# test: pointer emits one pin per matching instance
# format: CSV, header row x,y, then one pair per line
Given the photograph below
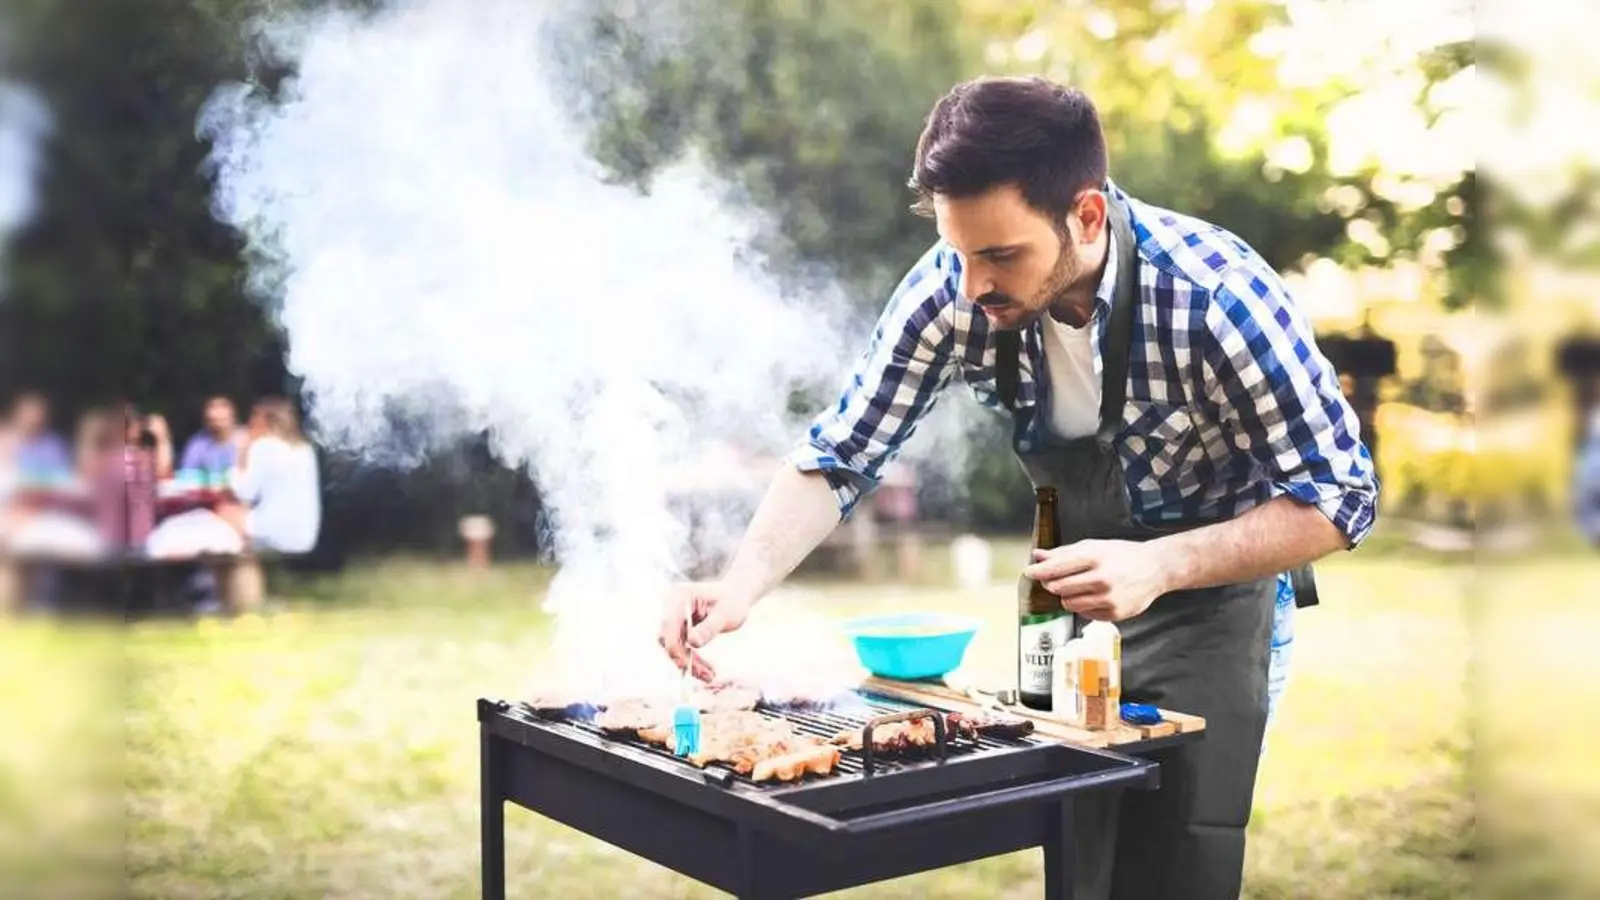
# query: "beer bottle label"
x,y
1041,636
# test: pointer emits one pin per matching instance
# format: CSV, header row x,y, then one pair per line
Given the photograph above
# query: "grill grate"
x,y
852,714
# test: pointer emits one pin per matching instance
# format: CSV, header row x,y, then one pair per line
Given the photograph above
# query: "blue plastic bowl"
x,y
911,646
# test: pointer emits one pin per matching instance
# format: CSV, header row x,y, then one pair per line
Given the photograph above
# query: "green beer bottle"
x,y
1042,625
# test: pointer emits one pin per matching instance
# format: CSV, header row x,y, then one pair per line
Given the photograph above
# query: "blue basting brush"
x,y
686,717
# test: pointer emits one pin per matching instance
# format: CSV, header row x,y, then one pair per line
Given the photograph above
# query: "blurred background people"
x,y
1586,483
40,453
215,447
279,506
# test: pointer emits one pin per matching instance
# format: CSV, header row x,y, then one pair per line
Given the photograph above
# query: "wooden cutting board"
x,y
938,694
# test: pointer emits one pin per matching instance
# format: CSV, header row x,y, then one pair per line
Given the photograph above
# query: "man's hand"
x,y
718,607
1106,580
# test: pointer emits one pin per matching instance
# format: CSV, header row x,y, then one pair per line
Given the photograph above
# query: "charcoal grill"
x,y
874,819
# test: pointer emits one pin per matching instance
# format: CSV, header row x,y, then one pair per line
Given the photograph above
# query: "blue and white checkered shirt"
x,y
1229,401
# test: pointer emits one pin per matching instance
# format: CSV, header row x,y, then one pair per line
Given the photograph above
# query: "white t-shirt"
x,y
281,487
1074,386
1069,362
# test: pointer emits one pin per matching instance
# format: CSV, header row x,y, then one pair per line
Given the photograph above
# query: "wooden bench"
x,y
139,584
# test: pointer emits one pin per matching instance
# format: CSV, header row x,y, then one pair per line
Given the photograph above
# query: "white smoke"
x,y
24,122
430,223
426,215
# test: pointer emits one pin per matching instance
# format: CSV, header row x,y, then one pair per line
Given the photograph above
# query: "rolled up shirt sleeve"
x,y
894,383
1279,401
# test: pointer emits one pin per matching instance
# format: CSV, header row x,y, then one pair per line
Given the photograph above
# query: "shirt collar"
x,y
1107,289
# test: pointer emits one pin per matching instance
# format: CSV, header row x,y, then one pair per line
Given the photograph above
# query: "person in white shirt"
x,y
279,507
1586,483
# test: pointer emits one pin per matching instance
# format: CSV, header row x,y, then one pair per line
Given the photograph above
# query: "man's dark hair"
x,y
990,131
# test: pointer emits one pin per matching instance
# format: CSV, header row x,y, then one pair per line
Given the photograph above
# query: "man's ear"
x,y
1089,216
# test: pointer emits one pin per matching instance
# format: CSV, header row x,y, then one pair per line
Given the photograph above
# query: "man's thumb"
x,y
709,627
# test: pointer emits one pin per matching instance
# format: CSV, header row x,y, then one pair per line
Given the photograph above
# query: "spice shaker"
x,y
1100,676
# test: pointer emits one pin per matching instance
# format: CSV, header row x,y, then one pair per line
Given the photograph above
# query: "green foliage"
x,y
812,109
125,285
1170,81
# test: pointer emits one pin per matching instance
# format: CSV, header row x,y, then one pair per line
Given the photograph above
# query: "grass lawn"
x,y
331,750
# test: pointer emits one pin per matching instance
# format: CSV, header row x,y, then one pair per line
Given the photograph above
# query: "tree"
x,y
1206,114
124,285
811,108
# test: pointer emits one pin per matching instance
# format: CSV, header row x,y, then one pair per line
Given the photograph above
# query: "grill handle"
x,y
940,739
1140,775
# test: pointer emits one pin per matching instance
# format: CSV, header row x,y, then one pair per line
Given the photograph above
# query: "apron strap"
x,y
1119,331
1304,580
1007,362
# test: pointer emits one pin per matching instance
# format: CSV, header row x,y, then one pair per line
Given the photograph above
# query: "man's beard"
x,y
1066,273
1061,278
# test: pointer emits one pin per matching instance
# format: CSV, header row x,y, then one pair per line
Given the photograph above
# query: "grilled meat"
x,y
724,697
729,727
894,737
816,760
626,718
751,755
801,695
906,736
991,724
743,741
560,705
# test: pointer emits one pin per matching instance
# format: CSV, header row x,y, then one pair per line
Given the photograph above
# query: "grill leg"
x,y
1058,854
750,886
493,813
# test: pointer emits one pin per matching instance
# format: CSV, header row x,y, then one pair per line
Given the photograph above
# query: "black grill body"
x,y
869,821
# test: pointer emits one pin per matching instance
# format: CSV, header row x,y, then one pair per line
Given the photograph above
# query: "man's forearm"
x,y
798,512
1274,537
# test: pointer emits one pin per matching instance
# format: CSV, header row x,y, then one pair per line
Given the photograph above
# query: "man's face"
x,y
1014,262
220,417
30,416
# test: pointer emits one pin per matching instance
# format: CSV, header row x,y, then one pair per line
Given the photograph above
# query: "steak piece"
x,y
561,705
906,736
992,724
626,718
724,697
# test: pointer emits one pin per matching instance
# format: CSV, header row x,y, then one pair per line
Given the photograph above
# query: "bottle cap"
x,y
1102,637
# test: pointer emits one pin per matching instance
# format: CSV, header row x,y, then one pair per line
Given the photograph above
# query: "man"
x,y
1159,376
216,446
39,451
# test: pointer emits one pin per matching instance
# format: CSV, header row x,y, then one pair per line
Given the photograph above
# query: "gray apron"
x,y
1204,652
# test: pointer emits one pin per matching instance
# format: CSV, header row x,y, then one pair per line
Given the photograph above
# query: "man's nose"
x,y
974,283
